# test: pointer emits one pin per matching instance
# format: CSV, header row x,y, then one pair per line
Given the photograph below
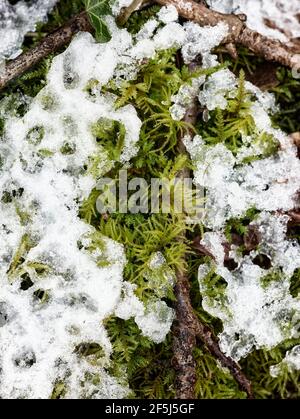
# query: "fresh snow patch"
x,y
168,14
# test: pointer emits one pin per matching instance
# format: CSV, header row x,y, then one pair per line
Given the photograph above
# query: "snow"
x,y
232,187
168,14
282,14
41,230
156,321
185,97
57,284
201,40
16,20
253,315
218,85
170,36
147,29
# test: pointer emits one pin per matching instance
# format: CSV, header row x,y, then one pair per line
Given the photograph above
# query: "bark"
x,y
184,341
49,44
184,337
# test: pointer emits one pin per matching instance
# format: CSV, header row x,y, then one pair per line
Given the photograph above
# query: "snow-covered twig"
x,y
51,43
238,33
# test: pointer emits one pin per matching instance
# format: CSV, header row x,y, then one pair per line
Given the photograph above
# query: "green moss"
x,y
59,391
240,225
138,19
142,236
257,367
274,276
214,288
44,152
111,135
35,135
295,283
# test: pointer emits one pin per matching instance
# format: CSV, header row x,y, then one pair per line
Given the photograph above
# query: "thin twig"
x,y
184,338
187,329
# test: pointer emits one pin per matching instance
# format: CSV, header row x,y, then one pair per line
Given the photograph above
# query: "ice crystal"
x,y
160,276
185,97
156,321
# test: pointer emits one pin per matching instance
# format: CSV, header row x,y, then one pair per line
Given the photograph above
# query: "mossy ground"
x,y
149,366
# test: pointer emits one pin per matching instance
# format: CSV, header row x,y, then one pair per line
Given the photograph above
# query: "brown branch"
x,y
184,338
186,330
187,327
205,334
49,44
239,33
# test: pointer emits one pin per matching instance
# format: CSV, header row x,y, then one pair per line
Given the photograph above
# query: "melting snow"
x,y
16,20
254,315
57,285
